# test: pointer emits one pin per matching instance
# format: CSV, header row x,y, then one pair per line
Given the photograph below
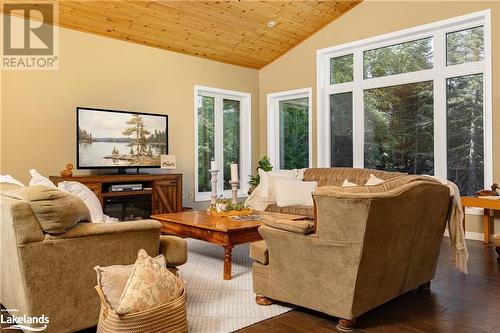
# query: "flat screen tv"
x,y
120,139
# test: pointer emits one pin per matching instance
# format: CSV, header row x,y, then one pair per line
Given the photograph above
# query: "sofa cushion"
x,y
307,211
259,252
113,279
298,226
150,285
55,211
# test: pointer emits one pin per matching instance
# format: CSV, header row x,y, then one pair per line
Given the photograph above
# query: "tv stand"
x,y
164,190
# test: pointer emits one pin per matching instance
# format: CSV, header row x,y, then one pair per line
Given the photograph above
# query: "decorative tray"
x,y
243,212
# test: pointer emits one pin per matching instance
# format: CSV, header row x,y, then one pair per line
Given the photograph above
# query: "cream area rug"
x,y
215,305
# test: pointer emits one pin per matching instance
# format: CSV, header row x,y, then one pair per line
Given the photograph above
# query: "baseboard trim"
x,y
471,235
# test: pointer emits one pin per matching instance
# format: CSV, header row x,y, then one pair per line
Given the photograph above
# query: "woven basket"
x,y
169,317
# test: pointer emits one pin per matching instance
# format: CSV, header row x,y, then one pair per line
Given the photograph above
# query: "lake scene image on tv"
x,y
108,139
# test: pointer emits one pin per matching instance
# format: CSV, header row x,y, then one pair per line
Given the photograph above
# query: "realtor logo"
x,y
24,322
29,36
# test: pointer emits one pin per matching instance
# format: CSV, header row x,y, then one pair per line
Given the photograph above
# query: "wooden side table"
x,y
487,205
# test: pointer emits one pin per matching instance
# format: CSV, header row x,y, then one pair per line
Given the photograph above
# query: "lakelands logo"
x,y
25,323
30,38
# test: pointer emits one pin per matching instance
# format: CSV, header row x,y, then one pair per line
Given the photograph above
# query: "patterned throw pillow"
x,y
113,279
150,285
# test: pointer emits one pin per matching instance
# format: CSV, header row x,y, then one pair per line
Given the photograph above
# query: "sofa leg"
x,y
425,288
263,300
346,325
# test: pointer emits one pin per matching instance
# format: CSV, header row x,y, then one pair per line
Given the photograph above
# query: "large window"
x,y
222,134
289,129
415,101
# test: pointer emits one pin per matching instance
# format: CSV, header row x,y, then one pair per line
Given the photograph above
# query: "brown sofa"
x,y
51,272
370,245
331,177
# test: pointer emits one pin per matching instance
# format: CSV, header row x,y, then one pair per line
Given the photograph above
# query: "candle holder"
x,y
213,195
234,191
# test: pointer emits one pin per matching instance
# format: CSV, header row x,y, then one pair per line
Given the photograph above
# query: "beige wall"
x,y
38,107
297,68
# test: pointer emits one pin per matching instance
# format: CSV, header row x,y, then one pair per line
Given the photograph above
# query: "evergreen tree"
x,y
138,133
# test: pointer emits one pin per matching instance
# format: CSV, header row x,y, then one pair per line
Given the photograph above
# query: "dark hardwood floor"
x,y
458,303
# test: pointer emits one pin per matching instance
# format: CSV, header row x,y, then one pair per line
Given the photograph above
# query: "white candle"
x,y
213,165
234,172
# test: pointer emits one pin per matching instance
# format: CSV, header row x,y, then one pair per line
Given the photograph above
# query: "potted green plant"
x,y
263,164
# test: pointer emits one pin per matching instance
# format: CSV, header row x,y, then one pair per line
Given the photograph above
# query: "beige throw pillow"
x,y
373,180
10,180
294,193
89,198
56,211
113,279
265,179
150,285
347,183
38,179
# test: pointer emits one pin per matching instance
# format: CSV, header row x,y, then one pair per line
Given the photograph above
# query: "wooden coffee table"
x,y
221,231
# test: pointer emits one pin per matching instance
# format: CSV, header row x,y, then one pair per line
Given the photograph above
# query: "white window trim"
x,y
245,139
439,73
273,122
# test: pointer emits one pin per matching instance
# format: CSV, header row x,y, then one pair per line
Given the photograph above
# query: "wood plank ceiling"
x,y
234,32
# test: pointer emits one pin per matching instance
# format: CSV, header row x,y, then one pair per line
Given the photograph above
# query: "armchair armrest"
x,y
96,229
174,249
303,227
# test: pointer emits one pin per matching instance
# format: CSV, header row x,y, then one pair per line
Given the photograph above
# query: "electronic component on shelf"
x,y
125,187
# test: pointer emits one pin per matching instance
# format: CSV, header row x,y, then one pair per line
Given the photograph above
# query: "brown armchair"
x,y
52,274
370,245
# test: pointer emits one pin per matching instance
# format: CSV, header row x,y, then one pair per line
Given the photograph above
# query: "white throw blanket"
x,y
455,227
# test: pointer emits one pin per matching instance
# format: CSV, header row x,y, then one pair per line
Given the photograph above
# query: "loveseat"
x,y
47,261
369,245
331,177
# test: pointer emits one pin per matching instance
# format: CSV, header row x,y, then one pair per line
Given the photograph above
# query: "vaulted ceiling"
x,y
234,32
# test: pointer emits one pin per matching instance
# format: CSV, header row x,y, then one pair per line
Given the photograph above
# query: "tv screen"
x,y
120,139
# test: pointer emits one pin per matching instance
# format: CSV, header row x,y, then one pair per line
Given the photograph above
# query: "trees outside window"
x,y
289,129
413,101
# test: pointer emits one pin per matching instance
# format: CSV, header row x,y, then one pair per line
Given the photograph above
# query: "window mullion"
x,y
440,122
219,142
464,69
398,79
358,111
276,137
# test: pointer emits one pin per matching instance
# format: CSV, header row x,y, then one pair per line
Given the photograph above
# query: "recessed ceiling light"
x,y
271,23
